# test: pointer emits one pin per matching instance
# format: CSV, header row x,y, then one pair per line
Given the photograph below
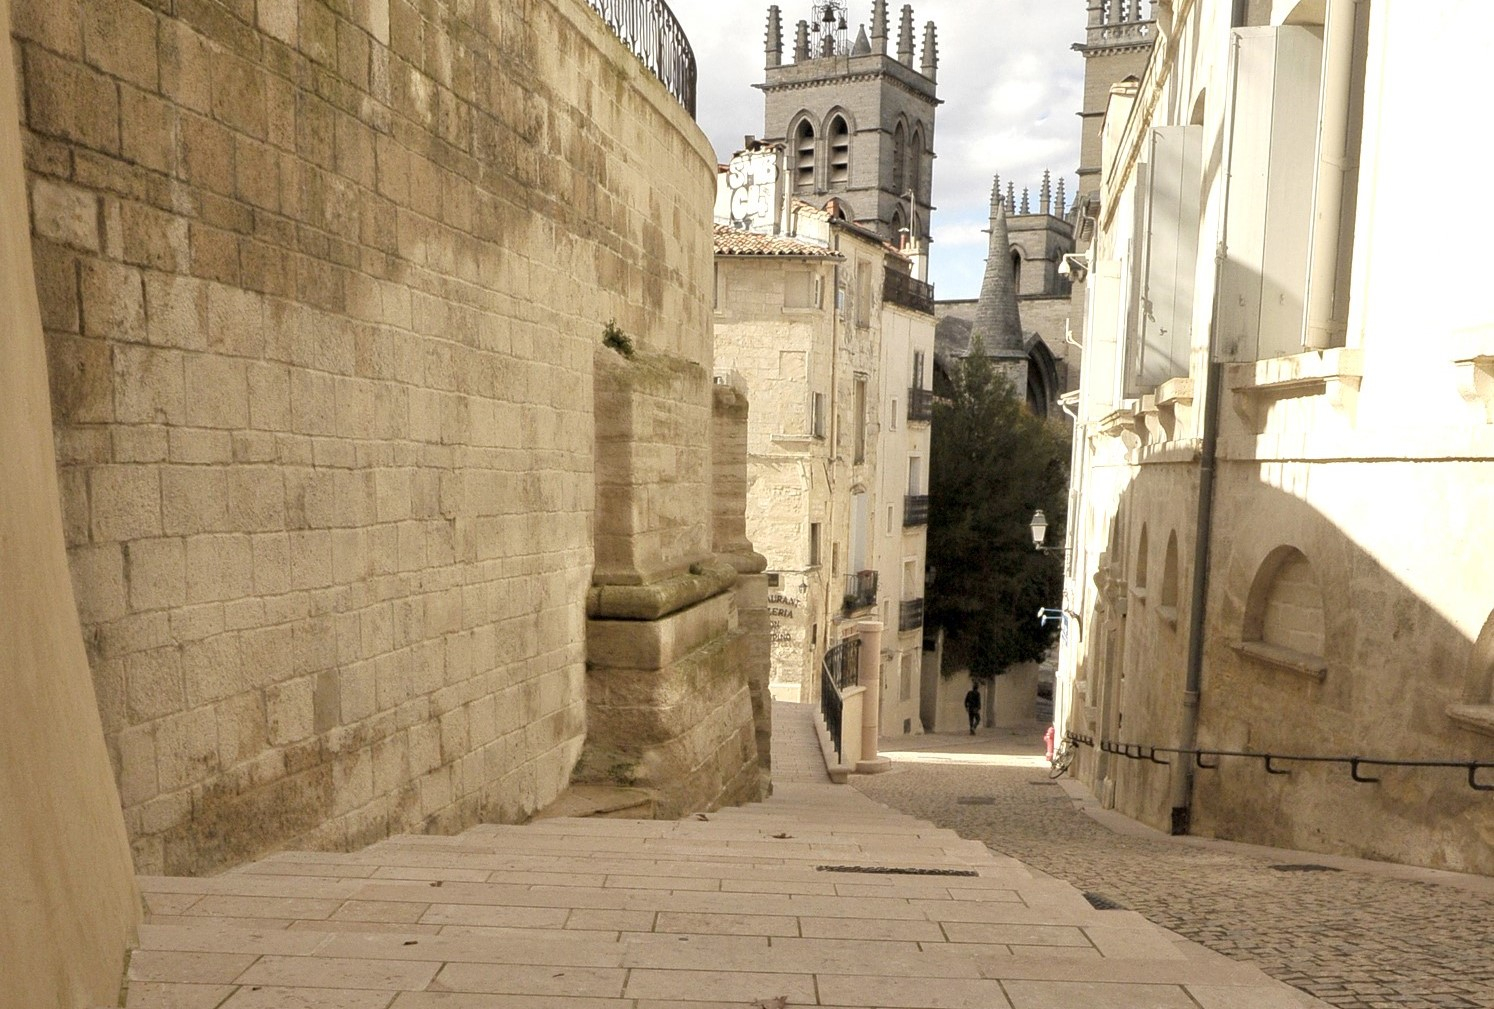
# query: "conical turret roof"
x,y
998,323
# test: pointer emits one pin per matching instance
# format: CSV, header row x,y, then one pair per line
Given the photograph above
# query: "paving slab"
x,y
1352,934
737,907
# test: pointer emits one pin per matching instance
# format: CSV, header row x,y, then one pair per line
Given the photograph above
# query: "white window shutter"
x,y
1272,175
1171,257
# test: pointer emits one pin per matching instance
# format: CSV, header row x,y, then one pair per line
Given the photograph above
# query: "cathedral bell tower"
x,y
857,124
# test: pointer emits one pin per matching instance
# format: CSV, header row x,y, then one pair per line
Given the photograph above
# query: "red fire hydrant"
x,y
1048,743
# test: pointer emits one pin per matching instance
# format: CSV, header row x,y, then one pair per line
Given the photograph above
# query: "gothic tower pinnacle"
x,y
856,122
998,324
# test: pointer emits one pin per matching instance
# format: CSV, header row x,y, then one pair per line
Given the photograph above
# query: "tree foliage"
x,y
992,464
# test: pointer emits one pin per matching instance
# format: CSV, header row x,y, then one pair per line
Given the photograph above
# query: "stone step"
x,y
703,912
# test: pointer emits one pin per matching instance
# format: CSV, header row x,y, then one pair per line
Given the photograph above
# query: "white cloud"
x,y
1010,84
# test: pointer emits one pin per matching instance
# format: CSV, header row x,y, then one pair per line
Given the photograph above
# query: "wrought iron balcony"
x,y
920,404
861,591
910,615
909,292
915,510
649,28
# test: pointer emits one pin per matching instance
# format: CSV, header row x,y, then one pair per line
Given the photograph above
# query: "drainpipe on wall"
x,y
1182,779
1181,796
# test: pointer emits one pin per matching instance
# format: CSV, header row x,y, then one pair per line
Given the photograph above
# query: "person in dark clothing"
x,y
972,706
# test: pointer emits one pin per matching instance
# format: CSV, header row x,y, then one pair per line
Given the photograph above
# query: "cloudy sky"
x,y
1011,89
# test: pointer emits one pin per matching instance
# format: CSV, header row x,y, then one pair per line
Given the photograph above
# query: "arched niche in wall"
x,y
1167,598
1283,624
1138,580
1477,710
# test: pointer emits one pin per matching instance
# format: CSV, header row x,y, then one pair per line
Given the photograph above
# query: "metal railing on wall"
x,y
650,29
910,292
915,510
861,590
1273,762
839,671
920,404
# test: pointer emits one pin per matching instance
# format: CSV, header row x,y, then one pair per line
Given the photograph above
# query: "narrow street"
x,y
1354,934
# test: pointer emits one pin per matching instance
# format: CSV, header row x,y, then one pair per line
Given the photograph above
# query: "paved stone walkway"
x,y
733,908
1357,938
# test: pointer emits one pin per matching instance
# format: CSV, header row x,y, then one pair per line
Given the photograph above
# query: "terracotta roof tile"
x,y
731,242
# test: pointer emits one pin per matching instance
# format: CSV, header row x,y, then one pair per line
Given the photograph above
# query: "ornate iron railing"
x,y
903,289
861,590
650,29
839,671
920,404
910,615
915,510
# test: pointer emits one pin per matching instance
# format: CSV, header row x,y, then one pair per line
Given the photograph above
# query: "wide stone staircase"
x,y
818,896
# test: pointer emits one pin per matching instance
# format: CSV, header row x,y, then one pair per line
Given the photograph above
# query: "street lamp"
x,y
1039,526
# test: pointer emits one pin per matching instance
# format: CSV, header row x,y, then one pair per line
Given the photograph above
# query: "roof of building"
x,y
731,242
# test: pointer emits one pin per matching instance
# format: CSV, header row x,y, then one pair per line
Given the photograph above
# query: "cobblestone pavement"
x,y
1355,939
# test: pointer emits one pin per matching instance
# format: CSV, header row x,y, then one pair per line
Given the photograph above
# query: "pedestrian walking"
x,y
972,706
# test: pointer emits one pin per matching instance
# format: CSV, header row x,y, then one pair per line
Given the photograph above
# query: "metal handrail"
x,y
840,670
650,29
843,664
1140,751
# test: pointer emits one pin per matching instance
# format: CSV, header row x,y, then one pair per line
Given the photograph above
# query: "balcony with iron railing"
x,y
915,510
910,615
920,405
649,28
909,292
861,591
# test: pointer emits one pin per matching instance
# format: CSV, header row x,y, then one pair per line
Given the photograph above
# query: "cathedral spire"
x,y
930,52
1046,197
997,321
879,27
801,42
862,46
775,37
905,37
1063,207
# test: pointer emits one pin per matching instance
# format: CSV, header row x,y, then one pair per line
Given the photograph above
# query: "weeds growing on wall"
x,y
618,340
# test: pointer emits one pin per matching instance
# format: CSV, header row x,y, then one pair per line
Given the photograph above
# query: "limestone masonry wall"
x,y
321,285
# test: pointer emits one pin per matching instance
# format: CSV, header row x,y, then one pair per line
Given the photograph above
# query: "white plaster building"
x,y
903,417
1284,464
824,327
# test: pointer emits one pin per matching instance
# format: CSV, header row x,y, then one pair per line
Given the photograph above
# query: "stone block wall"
x,y
321,284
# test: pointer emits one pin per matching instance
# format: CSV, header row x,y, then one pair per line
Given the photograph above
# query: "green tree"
x,y
992,464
